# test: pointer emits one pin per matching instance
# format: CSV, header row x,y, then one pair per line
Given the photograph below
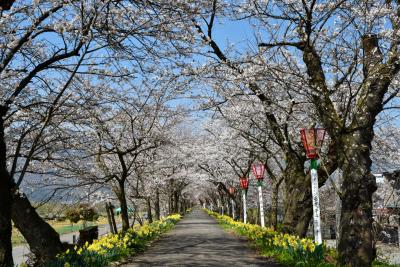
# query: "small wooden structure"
x,y
88,234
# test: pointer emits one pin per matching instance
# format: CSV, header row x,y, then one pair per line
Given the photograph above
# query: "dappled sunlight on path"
x,y
198,241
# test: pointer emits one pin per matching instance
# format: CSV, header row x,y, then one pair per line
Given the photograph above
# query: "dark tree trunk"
x,y
274,209
149,214
240,209
6,4
222,211
157,205
236,208
183,206
170,204
229,211
176,200
298,202
124,206
356,235
6,259
43,240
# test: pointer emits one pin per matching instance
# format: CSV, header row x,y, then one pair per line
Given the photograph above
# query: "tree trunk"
x,y
229,211
43,240
149,214
298,201
176,200
169,203
6,259
157,205
274,210
124,206
356,235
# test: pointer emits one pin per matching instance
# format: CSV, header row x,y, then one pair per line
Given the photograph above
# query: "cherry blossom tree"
x,y
47,41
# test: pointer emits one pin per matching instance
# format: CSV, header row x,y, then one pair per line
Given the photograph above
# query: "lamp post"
x,y
258,171
244,185
312,140
232,192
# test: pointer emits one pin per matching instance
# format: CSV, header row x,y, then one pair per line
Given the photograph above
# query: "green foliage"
x,y
383,264
82,212
87,213
73,215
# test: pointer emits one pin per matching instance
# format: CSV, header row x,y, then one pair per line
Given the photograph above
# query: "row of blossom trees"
x,y
331,63
81,105
91,101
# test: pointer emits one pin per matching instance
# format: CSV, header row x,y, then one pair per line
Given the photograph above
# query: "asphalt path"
x,y
198,240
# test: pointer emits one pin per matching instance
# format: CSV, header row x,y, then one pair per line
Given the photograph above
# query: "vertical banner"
x,y
316,209
244,208
260,199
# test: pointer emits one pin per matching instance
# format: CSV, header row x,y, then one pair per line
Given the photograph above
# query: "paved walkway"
x,y
197,240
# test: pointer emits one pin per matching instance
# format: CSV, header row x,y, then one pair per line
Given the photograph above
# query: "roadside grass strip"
x,y
288,250
114,247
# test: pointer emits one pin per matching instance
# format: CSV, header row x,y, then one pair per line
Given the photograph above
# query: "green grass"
x,y
64,227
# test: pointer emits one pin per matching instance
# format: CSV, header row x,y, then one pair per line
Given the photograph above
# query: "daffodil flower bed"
x,y
113,247
287,249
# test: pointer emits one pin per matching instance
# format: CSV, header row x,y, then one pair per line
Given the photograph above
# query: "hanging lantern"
x,y
244,183
312,141
232,190
258,171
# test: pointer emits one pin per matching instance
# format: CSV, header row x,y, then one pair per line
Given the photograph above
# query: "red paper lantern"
x,y
232,190
258,170
312,141
244,183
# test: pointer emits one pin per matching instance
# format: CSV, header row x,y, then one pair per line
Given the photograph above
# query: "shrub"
x,y
73,215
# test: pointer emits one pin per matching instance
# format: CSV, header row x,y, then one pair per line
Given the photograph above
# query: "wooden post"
x,y
109,218
113,217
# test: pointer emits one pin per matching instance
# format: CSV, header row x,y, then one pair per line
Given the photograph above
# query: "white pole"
x,y
260,199
233,208
316,209
338,204
219,210
244,208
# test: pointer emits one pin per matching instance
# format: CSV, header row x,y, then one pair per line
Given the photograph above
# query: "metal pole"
x,y
260,199
315,196
244,208
233,208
